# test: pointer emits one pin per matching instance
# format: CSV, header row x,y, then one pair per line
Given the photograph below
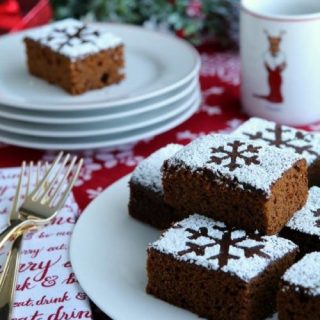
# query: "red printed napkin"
x,y
47,288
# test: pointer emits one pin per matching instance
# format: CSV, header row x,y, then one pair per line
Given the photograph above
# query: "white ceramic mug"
x,y
280,56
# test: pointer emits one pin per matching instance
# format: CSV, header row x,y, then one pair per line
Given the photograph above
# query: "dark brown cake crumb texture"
x,y
92,72
296,304
213,294
250,210
149,207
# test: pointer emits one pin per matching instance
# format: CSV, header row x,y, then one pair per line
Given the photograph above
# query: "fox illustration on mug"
x,y
275,63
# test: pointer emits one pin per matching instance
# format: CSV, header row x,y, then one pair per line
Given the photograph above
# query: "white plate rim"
x,y
73,254
13,126
61,107
160,103
104,301
18,140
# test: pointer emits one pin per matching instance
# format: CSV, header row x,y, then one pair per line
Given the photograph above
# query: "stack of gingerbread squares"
x,y
236,208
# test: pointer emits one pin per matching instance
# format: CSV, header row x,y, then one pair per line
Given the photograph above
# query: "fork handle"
x,y
11,230
8,280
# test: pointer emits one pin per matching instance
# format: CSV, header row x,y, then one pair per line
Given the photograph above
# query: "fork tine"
x,y
65,194
29,178
10,272
61,183
48,173
39,165
15,204
50,185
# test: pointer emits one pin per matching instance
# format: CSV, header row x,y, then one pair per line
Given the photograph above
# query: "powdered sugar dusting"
x,y
255,166
307,220
90,40
208,243
148,172
305,273
268,133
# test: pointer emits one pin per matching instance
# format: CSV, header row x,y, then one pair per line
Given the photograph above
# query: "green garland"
x,y
195,20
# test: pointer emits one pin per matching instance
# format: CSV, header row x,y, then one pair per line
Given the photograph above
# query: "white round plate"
x,y
97,141
73,117
108,255
155,64
100,127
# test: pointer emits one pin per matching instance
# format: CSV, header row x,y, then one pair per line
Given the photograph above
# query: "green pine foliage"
x,y
194,20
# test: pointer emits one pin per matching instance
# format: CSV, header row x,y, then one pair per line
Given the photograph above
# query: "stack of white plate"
x,y
161,90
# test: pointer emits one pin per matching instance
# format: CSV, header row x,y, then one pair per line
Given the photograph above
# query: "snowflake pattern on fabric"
x,y
211,110
105,158
234,154
225,66
93,193
123,155
189,135
207,106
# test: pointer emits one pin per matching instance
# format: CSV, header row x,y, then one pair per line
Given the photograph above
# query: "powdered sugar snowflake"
x,y
278,139
316,214
225,66
64,38
229,239
238,150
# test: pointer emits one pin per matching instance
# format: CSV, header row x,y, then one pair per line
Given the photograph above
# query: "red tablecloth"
x,y
219,112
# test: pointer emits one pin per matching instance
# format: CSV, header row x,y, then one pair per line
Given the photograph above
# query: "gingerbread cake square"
x,y
299,141
75,56
304,227
216,272
236,181
146,191
299,294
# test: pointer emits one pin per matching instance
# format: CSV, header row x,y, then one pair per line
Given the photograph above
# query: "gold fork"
x,y
9,275
44,202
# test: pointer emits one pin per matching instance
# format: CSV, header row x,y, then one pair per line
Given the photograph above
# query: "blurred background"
x,y
198,21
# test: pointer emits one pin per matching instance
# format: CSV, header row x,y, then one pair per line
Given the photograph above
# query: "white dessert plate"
x,y
94,115
101,127
155,64
101,141
108,255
